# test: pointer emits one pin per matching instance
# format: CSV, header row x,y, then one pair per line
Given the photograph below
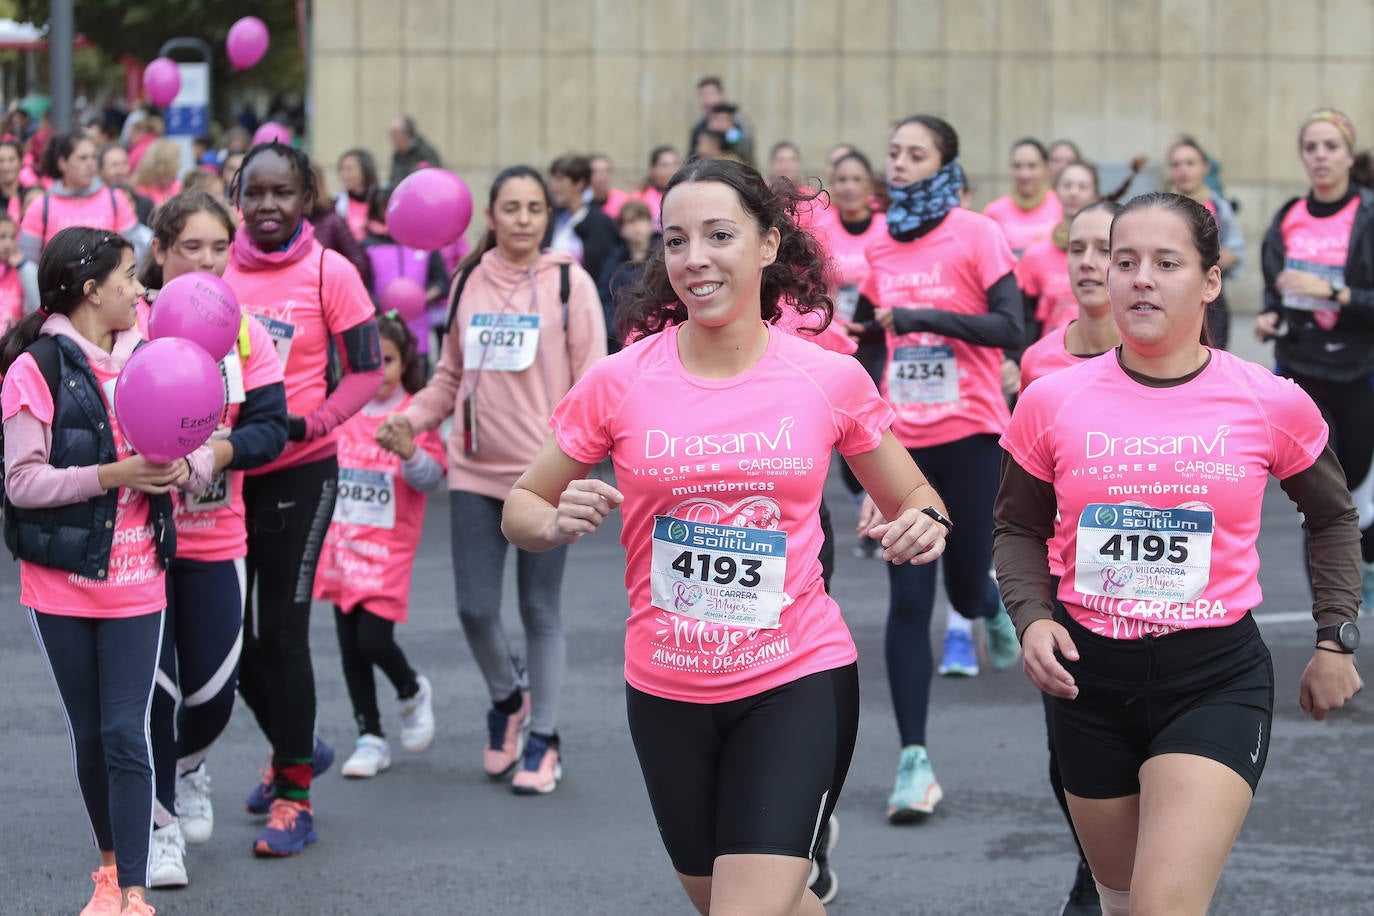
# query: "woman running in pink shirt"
x,y
316,309
1031,211
741,682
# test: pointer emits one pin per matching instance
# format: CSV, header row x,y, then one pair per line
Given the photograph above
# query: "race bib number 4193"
x,y
1143,553
719,573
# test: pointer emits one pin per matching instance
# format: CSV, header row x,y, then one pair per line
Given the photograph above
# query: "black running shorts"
x,y
1206,692
756,775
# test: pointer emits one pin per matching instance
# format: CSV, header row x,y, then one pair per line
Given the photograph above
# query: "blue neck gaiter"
x,y
922,201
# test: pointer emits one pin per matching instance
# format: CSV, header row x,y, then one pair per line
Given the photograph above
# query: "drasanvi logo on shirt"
x,y
1104,445
660,444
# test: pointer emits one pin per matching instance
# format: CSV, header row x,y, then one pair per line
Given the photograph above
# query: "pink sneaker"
x,y
506,738
137,906
540,770
107,898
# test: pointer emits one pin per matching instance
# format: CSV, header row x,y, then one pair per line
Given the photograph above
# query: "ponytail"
x,y
18,338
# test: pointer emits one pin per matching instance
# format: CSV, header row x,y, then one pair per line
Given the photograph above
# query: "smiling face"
x,y
1089,256
273,199
715,253
518,217
203,245
912,155
1325,155
115,297
1159,288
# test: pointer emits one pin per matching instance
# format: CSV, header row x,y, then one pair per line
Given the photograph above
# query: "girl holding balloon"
x,y
90,521
203,631
307,298
503,388
365,567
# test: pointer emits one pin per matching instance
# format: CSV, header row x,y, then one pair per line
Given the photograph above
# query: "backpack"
x,y
564,290
44,352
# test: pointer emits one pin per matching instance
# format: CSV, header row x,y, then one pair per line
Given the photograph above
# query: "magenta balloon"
x,y
162,81
246,42
405,296
272,131
429,209
201,308
168,400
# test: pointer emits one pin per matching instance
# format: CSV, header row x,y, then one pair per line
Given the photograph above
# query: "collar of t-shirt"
x,y
858,227
1321,210
1151,382
284,246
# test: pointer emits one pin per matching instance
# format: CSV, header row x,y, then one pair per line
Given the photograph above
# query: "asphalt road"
x,y
433,835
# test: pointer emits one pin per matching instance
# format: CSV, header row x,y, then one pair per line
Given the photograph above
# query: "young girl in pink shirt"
x,y
18,277
369,552
1147,466
741,683
91,524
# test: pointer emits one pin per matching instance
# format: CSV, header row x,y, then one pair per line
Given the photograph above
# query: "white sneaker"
x,y
194,811
417,718
370,757
167,858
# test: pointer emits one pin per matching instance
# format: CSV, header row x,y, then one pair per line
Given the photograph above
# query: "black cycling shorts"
x,y
1205,692
756,775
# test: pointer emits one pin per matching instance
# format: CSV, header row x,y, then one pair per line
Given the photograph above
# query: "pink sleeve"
x,y
861,415
993,254
346,302
1027,437
262,367
579,421
435,403
1300,433
30,482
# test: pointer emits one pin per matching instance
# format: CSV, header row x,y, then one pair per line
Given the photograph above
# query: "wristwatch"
x,y
1346,635
934,513
1337,284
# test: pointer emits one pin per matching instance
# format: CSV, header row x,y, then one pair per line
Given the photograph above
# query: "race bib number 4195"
x,y
719,573
1143,553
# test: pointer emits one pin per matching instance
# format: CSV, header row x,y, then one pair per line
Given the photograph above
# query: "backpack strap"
x,y
44,352
43,236
564,289
114,207
457,295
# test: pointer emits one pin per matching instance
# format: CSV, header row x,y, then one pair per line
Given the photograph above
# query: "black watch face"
x,y
1348,636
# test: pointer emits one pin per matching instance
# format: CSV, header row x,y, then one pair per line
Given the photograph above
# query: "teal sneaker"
x,y
916,793
1003,648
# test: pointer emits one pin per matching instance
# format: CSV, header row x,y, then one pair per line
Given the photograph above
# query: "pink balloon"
x,y
405,296
246,42
272,131
429,209
169,398
162,81
201,308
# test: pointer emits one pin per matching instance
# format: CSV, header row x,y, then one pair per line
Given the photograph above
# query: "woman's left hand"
x,y
883,317
1328,682
1302,283
912,537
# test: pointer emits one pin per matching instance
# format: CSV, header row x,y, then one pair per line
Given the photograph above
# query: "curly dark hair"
x,y
799,277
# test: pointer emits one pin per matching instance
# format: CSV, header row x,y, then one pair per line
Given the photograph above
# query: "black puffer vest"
x,y
77,538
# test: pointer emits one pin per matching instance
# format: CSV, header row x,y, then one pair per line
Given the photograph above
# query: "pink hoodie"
x,y
513,407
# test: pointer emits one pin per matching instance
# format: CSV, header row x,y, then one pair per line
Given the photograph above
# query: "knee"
x,y
542,621
372,643
477,617
125,745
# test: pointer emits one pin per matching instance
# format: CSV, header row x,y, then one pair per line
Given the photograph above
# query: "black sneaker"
x,y
1083,900
822,881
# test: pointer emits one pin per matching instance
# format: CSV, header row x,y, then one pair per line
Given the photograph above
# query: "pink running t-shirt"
x,y
1043,272
104,209
942,388
733,469
1023,228
848,261
1159,490
135,582
288,303
369,552
1318,246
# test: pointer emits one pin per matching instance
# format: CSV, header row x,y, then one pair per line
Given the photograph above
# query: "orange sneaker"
x,y
107,898
505,738
541,769
137,906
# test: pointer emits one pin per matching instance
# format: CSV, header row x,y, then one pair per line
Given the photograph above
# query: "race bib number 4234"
x,y
923,375
1142,553
719,573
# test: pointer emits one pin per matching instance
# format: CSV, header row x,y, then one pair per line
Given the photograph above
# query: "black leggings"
x,y
1348,409
366,640
198,671
104,670
757,775
288,514
965,474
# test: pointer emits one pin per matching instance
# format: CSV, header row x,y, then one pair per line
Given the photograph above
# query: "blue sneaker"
x,y
1003,647
959,658
290,829
915,793
259,801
